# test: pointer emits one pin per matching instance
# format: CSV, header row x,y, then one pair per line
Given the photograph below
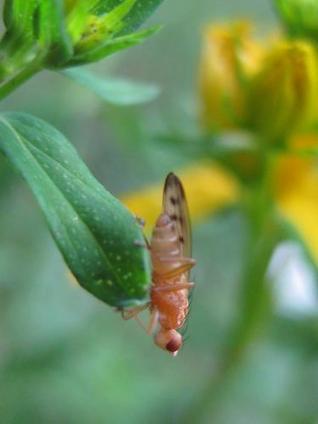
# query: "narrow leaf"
x,y
116,91
114,20
99,29
96,234
77,16
53,34
138,14
18,16
111,46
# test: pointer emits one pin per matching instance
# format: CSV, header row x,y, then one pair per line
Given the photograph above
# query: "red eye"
x,y
174,345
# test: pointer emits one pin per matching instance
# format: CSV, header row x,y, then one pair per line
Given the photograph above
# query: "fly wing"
x,y
175,205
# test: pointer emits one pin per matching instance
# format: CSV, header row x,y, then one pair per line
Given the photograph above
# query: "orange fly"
x,y
170,249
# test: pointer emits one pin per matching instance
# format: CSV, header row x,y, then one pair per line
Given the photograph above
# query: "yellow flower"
x,y
297,189
283,94
229,59
269,87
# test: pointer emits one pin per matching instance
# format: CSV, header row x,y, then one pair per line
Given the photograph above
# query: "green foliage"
x,y
57,34
300,17
67,33
95,233
139,12
116,91
52,33
18,16
110,46
102,27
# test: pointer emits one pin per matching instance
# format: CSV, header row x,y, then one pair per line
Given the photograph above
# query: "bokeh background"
x,y
67,358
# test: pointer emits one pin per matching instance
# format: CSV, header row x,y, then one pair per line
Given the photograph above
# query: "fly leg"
x,y
152,324
132,313
184,265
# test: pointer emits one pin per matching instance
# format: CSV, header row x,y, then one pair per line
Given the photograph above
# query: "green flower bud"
x,y
100,33
63,33
99,29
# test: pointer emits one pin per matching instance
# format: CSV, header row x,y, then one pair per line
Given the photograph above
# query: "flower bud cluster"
x,y
267,87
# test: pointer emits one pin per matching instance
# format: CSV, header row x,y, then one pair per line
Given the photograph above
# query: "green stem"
x,y
255,307
255,310
21,58
19,78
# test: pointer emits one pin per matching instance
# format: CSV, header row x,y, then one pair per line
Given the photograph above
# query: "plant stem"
x,y
255,307
19,78
21,58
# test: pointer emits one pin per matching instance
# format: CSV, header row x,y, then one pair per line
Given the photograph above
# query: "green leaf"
x,y
141,10
99,29
300,17
108,31
112,46
7,13
53,34
18,48
116,91
96,234
115,19
77,16
18,16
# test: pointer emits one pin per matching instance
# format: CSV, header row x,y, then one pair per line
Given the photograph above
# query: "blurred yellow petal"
x,y
208,188
297,191
283,95
267,86
229,57
301,208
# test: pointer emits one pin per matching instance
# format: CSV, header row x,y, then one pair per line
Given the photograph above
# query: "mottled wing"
x,y
175,205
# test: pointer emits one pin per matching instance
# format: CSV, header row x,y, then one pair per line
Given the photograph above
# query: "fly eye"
x,y
169,340
174,345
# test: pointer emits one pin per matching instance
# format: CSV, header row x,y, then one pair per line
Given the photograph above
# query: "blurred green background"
x,y
67,358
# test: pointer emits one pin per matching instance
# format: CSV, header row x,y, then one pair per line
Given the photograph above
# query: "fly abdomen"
x,y
165,247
